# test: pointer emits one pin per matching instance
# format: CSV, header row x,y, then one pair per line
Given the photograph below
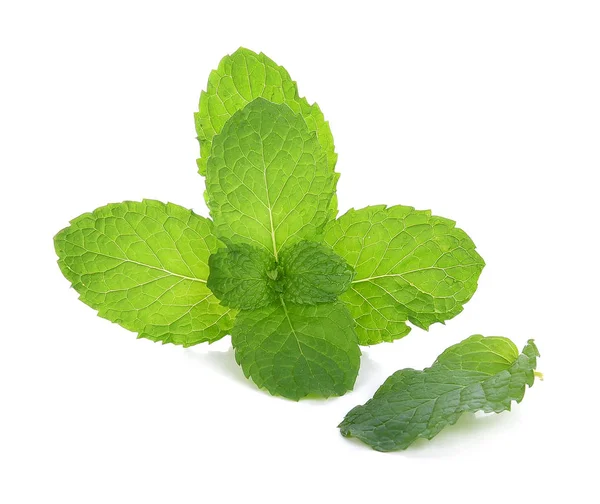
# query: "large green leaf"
x,y
478,374
267,182
144,265
410,266
239,79
295,350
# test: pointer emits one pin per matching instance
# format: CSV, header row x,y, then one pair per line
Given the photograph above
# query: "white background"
x,y
485,112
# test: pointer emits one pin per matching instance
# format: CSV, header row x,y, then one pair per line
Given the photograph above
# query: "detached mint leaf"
x,y
241,78
268,184
478,374
295,350
313,273
410,266
144,265
242,276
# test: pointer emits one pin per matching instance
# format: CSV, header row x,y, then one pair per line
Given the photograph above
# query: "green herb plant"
x,y
298,288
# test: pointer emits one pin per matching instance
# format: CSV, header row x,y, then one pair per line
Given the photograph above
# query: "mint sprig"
x,y
298,290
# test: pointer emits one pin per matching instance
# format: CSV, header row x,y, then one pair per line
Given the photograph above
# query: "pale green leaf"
x,y
479,374
239,79
297,350
313,273
242,276
144,265
410,266
268,184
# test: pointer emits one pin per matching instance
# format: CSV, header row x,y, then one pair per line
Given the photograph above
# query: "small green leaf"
x,y
144,266
298,350
268,184
410,266
478,374
239,79
313,273
242,276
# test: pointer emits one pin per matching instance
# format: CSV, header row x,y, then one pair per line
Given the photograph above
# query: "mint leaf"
x,y
239,79
313,273
410,266
242,276
295,350
478,374
144,266
267,181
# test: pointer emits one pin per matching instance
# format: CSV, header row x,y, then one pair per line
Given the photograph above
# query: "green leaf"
x,y
241,276
144,266
478,374
241,78
313,273
268,184
410,266
295,350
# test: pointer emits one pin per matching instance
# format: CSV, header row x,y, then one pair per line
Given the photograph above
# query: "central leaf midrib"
x,y
287,316
269,208
126,260
401,274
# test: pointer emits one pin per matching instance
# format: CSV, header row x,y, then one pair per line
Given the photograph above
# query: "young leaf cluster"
x,y
298,288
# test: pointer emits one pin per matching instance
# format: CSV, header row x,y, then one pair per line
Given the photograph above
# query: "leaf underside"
x,y
478,374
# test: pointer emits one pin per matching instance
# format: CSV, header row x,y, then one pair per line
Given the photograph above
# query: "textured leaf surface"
x,y
144,266
313,273
478,374
268,184
410,266
239,277
241,78
295,350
